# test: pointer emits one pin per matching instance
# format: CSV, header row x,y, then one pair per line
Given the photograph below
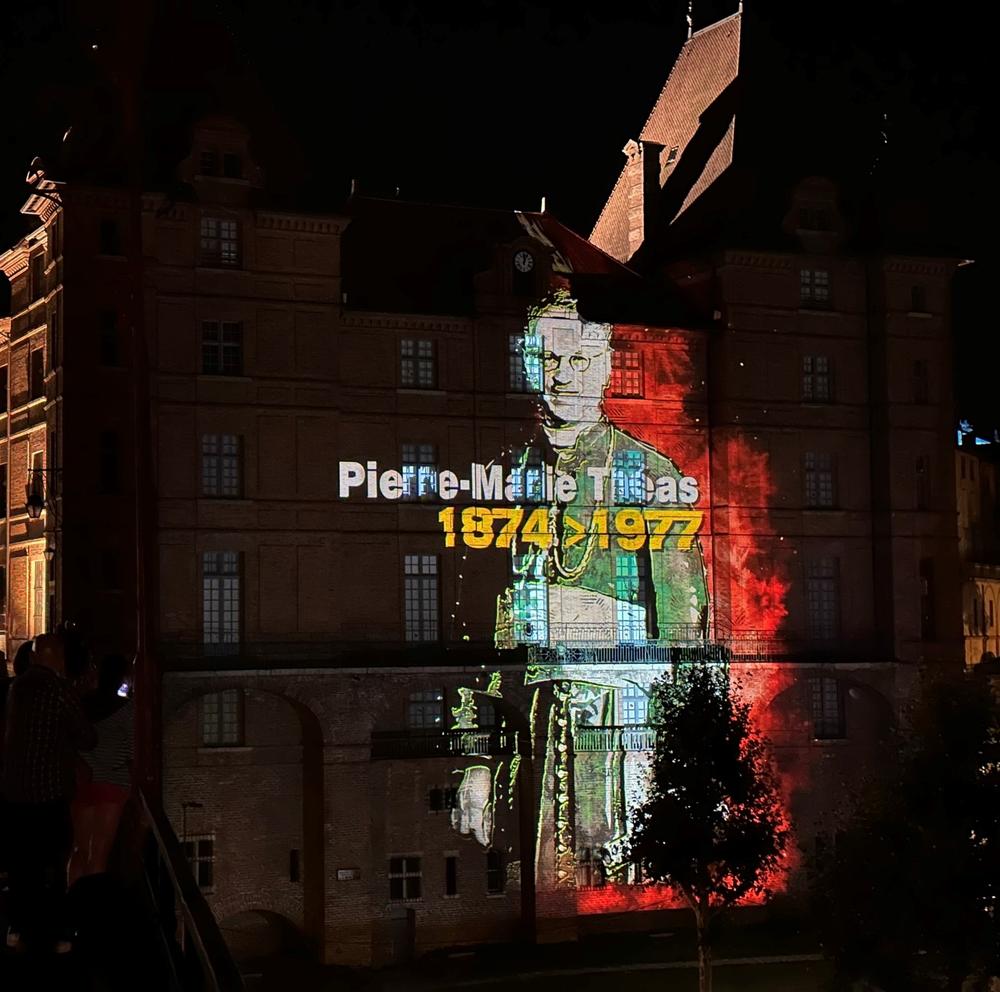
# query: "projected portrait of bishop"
x,y
586,586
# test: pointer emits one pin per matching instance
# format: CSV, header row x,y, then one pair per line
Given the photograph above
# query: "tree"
x,y
712,824
910,897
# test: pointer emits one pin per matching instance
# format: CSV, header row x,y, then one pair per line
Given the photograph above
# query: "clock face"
x,y
524,261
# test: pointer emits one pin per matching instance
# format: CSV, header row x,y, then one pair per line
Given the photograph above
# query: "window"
x,y
52,337
630,598
486,714
36,276
220,242
814,287
420,476
36,605
231,166
628,476
221,347
528,484
817,382
819,483
440,800
814,219
827,708
591,872
209,163
633,705
200,852
36,484
626,373
922,488
927,624
524,363
107,341
3,490
36,374
221,474
417,364
221,600
496,877
921,382
451,875
222,719
109,237
4,378
425,710
405,879
55,237
420,574
822,598
531,599
107,462
672,155
918,299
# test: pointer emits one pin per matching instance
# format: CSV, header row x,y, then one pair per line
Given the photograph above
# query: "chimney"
x,y
642,174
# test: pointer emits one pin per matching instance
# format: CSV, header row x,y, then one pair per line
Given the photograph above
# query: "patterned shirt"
x,y
46,727
110,760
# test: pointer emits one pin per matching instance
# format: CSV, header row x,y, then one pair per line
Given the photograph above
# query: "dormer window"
x,y
231,166
209,162
672,155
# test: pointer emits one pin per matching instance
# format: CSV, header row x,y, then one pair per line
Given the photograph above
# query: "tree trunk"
x,y
704,950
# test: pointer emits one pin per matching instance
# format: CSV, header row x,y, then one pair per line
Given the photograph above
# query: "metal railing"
x,y
443,743
624,737
198,958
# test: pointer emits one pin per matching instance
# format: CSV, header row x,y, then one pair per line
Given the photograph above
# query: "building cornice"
x,y
922,266
764,260
403,322
14,261
301,223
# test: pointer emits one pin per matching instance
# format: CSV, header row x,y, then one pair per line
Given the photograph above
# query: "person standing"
x,y
98,806
46,728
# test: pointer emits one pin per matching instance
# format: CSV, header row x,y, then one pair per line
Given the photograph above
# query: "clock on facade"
x,y
524,261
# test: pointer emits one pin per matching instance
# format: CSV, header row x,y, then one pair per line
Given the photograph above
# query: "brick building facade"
x,y
354,742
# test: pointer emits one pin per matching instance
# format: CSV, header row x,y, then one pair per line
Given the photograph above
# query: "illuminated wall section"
x,y
633,541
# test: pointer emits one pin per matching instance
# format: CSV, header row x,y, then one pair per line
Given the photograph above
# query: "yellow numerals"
x,y
633,527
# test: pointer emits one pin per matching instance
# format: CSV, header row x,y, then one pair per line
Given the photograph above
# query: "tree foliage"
x,y
712,823
909,898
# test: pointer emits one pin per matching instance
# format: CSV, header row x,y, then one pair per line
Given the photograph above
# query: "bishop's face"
x,y
576,366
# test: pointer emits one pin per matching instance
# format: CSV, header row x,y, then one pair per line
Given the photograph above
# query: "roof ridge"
x,y
709,27
677,61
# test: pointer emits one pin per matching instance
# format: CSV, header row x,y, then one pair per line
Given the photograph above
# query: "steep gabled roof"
x,y
707,65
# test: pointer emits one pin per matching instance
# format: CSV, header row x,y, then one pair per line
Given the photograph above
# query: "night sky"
x,y
499,102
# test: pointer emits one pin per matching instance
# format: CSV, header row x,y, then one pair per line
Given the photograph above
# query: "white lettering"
x,y
565,488
372,480
689,489
390,484
666,489
352,474
487,482
448,485
598,477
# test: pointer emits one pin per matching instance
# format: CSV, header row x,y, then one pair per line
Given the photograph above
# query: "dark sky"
x,y
500,102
